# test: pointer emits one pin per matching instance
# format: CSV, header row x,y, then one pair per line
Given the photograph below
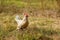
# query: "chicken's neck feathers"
x,y
25,18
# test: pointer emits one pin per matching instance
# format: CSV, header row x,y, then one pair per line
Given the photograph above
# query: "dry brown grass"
x,y
39,27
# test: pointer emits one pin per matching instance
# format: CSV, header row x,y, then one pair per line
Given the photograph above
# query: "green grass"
x,y
48,4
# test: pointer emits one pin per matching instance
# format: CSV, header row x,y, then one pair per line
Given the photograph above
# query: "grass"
x,y
34,3
39,28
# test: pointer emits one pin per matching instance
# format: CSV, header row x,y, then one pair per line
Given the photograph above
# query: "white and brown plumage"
x,y
22,24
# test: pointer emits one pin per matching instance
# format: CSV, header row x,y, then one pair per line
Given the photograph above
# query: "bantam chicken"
x,y
22,24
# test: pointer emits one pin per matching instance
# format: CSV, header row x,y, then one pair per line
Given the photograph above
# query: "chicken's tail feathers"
x,y
17,18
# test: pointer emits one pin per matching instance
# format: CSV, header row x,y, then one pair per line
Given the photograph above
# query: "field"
x,y
44,20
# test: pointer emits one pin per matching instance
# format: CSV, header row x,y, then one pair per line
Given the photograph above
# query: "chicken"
x,y
22,24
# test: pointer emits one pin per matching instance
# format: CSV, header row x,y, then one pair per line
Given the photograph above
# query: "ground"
x,y
40,28
44,19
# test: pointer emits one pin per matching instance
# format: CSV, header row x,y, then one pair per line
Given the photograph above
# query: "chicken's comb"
x,y
26,14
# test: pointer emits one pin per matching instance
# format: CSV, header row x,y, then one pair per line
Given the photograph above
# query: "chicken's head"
x,y
25,14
